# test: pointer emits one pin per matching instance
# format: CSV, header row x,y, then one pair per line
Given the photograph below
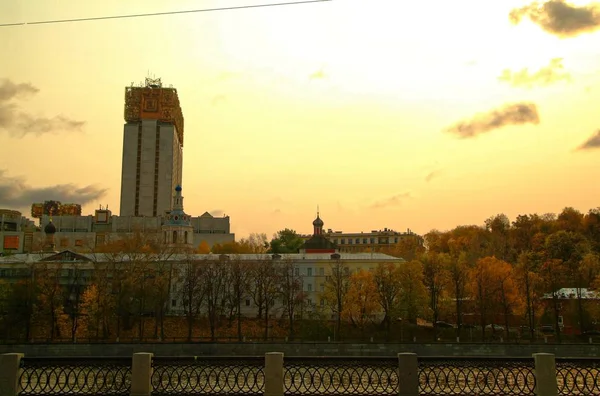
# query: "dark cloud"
x,y
432,175
592,143
19,123
392,201
14,192
512,114
560,18
545,76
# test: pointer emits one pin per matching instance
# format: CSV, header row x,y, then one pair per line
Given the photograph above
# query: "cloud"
x,y
392,201
432,175
511,114
560,18
19,123
14,192
592,143
544,76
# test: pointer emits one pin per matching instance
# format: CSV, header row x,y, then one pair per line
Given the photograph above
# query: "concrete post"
x,y
141,374
10,373
274,374
545,374
408,374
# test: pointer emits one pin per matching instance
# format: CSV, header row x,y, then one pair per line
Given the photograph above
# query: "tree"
x,y
529,281
203,248
236,289
570,248
413,294
265,289
361,300
292,293
336,288
215,277
51,297
553,273
285,241
483,288
388,285
458,275
191,291
436,279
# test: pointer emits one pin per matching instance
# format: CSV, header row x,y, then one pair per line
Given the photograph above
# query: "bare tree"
x,y
265,289
214,280
337,285
236,288
191,290
292,295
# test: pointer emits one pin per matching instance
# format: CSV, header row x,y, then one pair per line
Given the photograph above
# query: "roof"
x,y
318,242
102,257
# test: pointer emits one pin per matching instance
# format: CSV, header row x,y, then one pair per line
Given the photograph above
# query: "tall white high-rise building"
x,y
152,149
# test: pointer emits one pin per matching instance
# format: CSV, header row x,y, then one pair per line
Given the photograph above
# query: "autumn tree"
x,y
387,282
413,294
484,289
529,282
435,279
51,297
458,268
361,300
203,248
336,287
570,248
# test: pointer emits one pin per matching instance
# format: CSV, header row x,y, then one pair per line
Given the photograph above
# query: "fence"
x,y
272,375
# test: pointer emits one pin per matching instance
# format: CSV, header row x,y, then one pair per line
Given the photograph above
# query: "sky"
x,y
385,114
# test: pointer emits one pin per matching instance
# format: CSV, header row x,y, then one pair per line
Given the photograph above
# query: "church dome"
x,y
318,222
50,228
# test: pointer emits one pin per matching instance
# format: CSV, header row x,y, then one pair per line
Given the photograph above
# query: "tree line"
x,y
503,272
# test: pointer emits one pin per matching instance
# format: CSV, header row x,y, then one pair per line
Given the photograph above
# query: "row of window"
x,y
364,241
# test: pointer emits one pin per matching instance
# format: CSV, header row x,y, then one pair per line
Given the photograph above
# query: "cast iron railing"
x,y
476,376
302,376
340,376
208,375
75,376
578,376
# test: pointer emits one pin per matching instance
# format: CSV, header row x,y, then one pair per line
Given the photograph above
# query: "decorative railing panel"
x,y
578,376
75,376
208,375
340,376
476,376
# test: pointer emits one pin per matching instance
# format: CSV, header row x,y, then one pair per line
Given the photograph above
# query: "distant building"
x,y
152,149
16,232
348,242
82,233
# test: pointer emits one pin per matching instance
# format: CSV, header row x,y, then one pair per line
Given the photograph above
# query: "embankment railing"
x,y
272,375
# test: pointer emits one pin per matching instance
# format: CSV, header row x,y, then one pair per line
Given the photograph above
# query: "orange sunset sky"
x,y
385,113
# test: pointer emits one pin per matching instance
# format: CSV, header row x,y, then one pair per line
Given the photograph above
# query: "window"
x,y
174,288
173,303
297,271
309,287
343,241
309,271
322,286
372,240
322,302
309,302
365,241
174,236
357,241
322,271
185,237
247,302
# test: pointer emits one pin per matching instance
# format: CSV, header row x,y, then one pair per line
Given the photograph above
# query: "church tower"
x,y
177,229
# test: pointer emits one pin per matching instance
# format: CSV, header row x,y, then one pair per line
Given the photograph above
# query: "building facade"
x,y
355,242
152,149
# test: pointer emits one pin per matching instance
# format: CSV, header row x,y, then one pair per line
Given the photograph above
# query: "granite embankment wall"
x,y
303,349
